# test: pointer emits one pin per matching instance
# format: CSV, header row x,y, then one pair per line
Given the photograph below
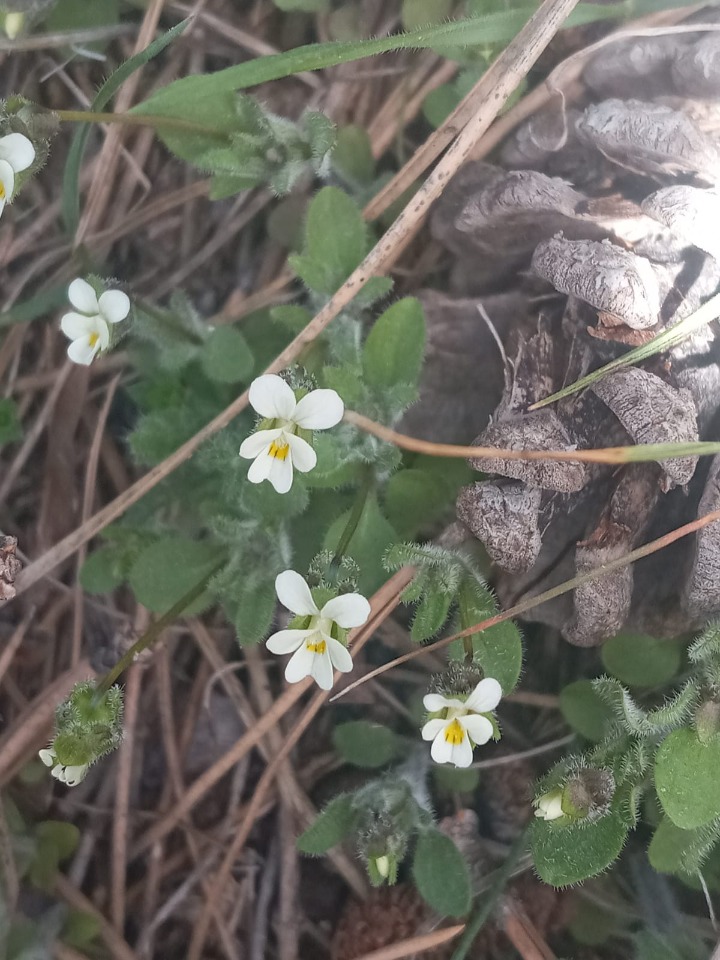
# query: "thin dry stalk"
x,y
498,83
87,505
522,932
415,945
13,644
121,820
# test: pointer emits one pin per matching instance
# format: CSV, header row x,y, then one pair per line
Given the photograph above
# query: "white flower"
x,y
462,725
315,650
65,773
278,448
16,154
549,805
89,328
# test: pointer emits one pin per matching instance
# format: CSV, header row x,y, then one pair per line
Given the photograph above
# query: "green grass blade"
x,y
71,177
493,28
708,312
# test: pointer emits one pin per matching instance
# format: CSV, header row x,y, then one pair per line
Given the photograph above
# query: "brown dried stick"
x,y
602,455
497,84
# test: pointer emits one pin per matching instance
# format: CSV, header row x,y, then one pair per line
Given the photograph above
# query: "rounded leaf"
x,y
566,854
687,774
441,874
641,661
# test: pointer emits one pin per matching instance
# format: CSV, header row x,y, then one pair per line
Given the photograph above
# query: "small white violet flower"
x,y
65,773
276,448
89,328
549,805
16,154
461,726
315,650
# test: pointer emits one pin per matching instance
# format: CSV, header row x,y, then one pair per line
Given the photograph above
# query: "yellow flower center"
x,y
279,450
3,194
454,733
94,337
318,647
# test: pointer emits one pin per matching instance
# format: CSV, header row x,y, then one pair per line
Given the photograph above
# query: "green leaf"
x,y
334,823
567,854
419,13
413,500
80,929
365,744
71,176
79,14
336,240
56,841
590,924
102,571
168,569
687,774
455,779
10,428
497,649
640,660
430,614
252,608
441,874
668,845
371,538
393,351
226,356
584,711
352,155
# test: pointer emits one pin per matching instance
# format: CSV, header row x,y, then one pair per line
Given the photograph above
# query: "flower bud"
x,y
88,726
588,794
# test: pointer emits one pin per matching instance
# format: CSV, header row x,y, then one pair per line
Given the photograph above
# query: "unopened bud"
x,y
14,22
588,794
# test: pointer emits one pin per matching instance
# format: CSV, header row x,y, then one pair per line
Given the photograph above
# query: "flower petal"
x,y
322,671
479,728
294,594
348,610
47,757
441,750
2,205
75,775
485,697
286,641
319,410
76,325
462,753
114,305
432,728
281,474
300,665
339,655
80,351
82,296
260,467
270,396
303,456
436,701
258,443
17,150
7,180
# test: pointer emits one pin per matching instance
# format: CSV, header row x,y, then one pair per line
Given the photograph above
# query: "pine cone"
x,y
605,236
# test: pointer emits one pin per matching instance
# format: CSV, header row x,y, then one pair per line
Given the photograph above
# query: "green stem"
x,y
155,630
487,905
135,120
354,518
